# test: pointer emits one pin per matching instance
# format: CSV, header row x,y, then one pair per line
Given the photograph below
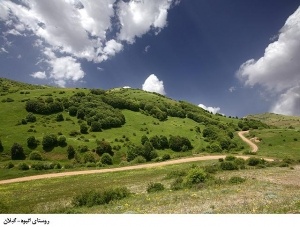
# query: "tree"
x,y
1,146
104,147
30,117
71,152
96,126
32,142
17,152
59,117
49,141
144,139
35,155
106,159
84,128
72,111
62,141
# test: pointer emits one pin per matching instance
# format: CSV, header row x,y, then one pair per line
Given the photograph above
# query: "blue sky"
x,y
235,57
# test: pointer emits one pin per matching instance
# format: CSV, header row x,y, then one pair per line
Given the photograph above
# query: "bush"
x,y
195,176
23,166
30,117
236,180
71,152
92,198
37,166
17,152
84,128
228,165
89,157
32,142
106,159
59,117
68,166
139,159
253,161
62,141
49,141
1,146
35,155
166,157
9,165
104,147
155,187
230,158
177,184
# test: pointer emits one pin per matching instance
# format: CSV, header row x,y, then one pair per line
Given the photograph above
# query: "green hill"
x,y
48,129
75,126
277,120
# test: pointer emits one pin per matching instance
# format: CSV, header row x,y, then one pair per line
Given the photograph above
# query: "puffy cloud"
x,y
3,50
83,29
139,17
153,84
278,71
39,75
213,110
232,89
288,103
126,87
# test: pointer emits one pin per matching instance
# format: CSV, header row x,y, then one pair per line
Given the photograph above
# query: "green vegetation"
x,y
70,129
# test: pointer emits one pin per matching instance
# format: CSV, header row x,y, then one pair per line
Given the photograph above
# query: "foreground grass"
x,y
268,190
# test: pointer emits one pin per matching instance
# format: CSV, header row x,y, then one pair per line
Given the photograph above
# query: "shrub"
x,y
104,147
96,126
9,165
35,155
17,152
228,165
89,157
177,184
73,111
49,141
139,159
68,166
1,146
92,198
195,176
230,158
23,166
106,159
71,152
37,166
236,180
166,157
61,141
253,161
30,117
59,117
32,142
84,128
155,187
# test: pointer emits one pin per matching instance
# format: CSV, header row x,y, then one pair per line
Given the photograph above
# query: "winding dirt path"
x,y
249,142
142,166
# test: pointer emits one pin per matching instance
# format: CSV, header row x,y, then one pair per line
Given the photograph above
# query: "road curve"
x,y
249,142
142,166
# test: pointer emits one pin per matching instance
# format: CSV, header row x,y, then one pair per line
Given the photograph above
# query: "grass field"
x,y
267,190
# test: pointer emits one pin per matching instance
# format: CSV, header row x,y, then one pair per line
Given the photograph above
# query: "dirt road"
x,y
142,166
251,144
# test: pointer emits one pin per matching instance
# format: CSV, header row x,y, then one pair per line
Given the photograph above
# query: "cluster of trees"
x,y
41,106
246,124
220,138
175,143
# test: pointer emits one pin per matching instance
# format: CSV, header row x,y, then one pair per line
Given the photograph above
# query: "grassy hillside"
x,y
135,126
277,120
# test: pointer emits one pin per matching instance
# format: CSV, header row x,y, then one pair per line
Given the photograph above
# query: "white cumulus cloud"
x,y
81,29
278,71
153,84
39,75
213,110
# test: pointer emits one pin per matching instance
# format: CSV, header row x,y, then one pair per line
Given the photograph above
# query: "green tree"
x,y
59,117
144,139
106,159
49,141
96,126
84,128
71,152
17,152
104,147
62,141
35,155
32,142
1,146
30,117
